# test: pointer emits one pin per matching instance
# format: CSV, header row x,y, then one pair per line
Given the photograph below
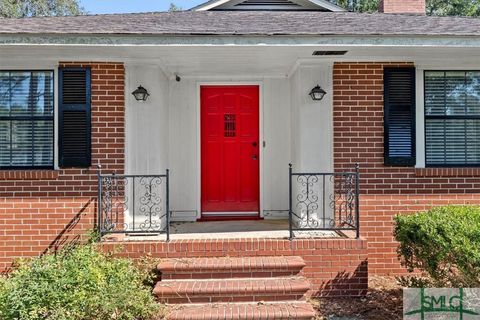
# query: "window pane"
x,y
435,93
4,132
26,119
473,141
453,142
4,93
42,95
455,148
22,136
20,93
455,93
43,147
435,141
473,93
4,155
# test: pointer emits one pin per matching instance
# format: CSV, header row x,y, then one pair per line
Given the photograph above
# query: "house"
x,y
225,97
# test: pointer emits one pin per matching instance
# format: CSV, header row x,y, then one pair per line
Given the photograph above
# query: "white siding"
x,y
312,121
146,132
312,136
183,148
164,133
276,155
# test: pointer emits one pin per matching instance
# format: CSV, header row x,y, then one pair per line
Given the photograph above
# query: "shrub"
x,y
80,283
443,243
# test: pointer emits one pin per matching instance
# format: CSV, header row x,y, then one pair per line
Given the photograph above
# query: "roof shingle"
x,y
246,23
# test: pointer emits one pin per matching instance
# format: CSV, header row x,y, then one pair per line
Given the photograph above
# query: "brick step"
x,y
230,267
285,310
231,290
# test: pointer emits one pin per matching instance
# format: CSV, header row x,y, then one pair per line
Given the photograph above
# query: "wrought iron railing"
x,y
133,204
324,201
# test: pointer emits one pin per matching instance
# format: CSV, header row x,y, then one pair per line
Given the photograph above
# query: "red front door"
x,y
230,150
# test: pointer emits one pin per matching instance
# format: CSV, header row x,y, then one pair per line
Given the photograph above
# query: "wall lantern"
x,y
141,94
317,93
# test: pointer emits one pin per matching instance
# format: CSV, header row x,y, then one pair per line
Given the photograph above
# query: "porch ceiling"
x,y
240,61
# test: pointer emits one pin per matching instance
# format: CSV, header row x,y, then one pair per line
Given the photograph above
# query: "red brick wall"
x,y
47,208
385,191
334,267
402,6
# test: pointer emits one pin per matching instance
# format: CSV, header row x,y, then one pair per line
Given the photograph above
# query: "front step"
x,y
230,267
231,290
244,311
234,288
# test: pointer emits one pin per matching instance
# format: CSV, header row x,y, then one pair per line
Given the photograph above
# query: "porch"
x,y
136,208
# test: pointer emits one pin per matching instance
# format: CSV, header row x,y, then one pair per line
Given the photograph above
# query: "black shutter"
x,y
399,97
75,125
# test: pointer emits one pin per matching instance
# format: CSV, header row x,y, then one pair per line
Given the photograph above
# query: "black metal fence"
x,y
133,204
324,201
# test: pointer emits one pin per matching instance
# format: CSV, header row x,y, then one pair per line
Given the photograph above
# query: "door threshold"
x,y
229,216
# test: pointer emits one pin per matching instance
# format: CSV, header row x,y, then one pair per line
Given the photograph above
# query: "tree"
x,y
469,8
174,7
358,5
32,8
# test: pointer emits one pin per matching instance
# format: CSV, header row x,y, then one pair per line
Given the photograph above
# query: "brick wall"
x,y
402,6
386,191
47,208
334,267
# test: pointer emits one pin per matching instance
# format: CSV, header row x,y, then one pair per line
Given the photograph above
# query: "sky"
x,y
125,6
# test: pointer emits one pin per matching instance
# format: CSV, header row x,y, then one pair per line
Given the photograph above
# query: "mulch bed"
x,y
383,301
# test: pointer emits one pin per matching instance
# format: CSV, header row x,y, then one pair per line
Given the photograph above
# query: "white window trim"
x,y
420,119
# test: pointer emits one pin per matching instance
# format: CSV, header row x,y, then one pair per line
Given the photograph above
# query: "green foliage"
x,y
174,7
31,8
470,8
79,283
358,5
444,243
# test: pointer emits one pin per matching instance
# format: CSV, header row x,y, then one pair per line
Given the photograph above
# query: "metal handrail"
x,y
314,210
124,198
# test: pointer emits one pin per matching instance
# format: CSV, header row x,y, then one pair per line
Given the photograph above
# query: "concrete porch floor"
x,y
240,229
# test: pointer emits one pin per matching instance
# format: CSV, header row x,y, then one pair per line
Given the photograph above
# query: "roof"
x,y
245,23
322,5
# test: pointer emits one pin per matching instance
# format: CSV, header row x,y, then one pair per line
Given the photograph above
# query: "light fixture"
x,y
317,93
141,94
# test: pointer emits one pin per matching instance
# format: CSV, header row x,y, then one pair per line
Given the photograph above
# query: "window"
x,y
452,118
26,119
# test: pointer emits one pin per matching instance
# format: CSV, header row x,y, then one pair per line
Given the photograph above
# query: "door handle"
x,y
254,157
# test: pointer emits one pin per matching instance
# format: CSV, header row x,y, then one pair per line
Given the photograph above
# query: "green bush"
x,y
80,283
443,243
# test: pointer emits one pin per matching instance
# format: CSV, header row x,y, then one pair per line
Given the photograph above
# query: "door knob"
x,y
254,157
254,144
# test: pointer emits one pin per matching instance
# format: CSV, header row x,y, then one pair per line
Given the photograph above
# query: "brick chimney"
x,y
402,6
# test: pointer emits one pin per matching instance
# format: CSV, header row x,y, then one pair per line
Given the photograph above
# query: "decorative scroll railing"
x,y
133,204
324,201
